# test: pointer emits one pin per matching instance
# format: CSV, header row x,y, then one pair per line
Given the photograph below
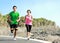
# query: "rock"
x,y
31,34
56,41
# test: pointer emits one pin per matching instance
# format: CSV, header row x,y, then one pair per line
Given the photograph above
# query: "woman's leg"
x,y
27,27
29,31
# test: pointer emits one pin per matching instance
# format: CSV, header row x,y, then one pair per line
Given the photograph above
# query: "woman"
x,y
28,23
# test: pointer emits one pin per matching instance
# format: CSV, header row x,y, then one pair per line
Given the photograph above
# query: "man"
x,y
13,20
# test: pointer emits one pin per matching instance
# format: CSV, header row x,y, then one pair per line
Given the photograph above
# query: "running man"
x,y
28,23
13,20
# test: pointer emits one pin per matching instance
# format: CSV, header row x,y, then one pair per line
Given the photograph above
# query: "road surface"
x,y
9,39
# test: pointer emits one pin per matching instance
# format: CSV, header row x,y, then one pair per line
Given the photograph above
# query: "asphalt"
x,y
8,39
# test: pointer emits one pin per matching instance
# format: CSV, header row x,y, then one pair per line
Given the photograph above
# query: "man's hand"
x,y
18,20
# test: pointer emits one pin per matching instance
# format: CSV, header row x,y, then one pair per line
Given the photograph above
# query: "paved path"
x,y
9,39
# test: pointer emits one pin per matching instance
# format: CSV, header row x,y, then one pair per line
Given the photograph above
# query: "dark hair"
x,y
28,10
14,6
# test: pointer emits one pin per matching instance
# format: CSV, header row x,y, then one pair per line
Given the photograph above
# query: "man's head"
x,y
14,8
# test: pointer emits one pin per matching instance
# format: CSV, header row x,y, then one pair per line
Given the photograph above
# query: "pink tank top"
x,y
28,20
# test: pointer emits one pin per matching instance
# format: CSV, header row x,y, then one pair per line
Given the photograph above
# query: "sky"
x,y
49,9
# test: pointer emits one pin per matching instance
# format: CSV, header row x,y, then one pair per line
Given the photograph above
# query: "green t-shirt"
x,y
14,17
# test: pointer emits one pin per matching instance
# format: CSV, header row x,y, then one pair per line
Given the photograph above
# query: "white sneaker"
x,y
14,38
28,37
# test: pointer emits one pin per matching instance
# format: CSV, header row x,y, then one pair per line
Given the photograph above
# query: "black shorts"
x,y
28,27
13,26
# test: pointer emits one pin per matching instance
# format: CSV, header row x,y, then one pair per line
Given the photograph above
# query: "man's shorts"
x,y
13,26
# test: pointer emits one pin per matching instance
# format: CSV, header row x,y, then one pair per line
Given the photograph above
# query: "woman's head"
x,y
28,12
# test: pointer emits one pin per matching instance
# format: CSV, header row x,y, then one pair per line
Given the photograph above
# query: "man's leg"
x,y
11,28
15,31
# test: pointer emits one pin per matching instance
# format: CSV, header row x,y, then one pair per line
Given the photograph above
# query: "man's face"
x,y
14,9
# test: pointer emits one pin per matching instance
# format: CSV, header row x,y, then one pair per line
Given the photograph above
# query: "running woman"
x,y
28,23
13,20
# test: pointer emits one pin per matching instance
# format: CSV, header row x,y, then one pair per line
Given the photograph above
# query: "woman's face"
x,y
28,12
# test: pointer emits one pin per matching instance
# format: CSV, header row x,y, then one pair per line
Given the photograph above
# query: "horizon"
x,y
49,9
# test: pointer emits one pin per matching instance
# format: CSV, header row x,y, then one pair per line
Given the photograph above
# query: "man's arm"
x,y
18,19
8,18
